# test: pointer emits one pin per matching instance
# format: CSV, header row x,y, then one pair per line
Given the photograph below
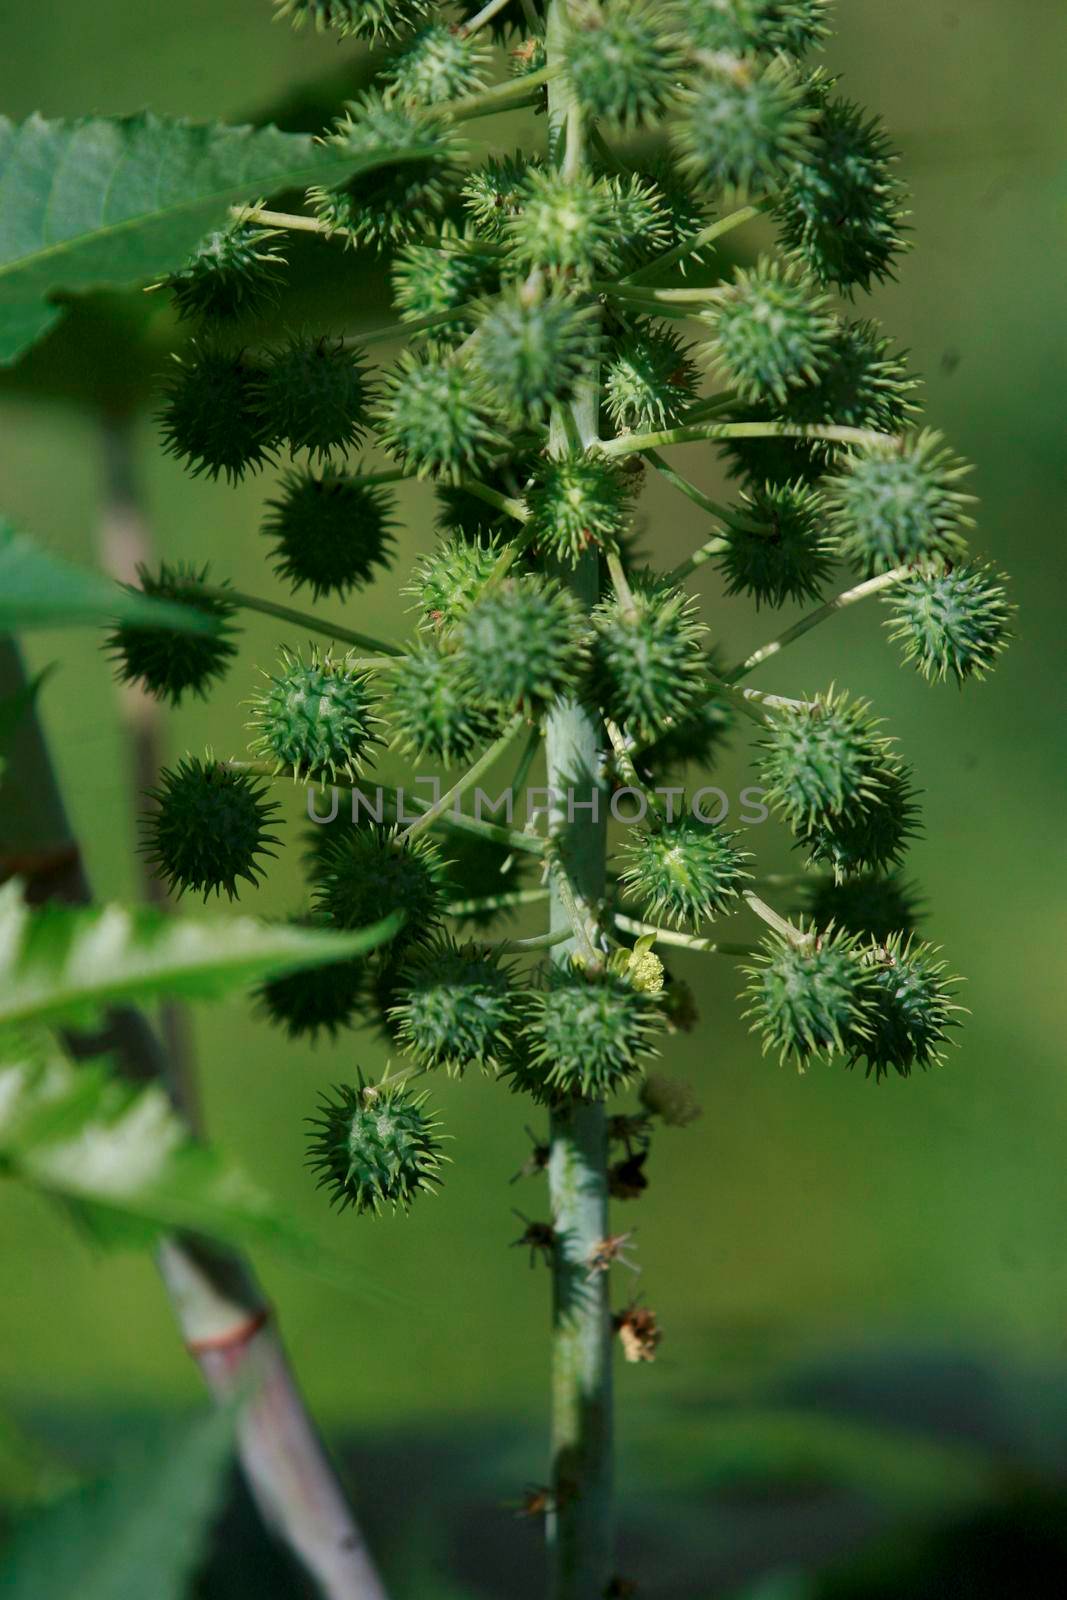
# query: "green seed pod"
x,y
494,194
698,739
447,581
230,275
955,620
332,531
685,211
649,379
872,904
912,1010
368,19
777,549
812,999
577,502
434,708
162,660
457,1007
446,276
391,202
685,871
530,350
770,331
899,502
745,125
650,668
868,838
522,644
823,758
640,222
439,64
526,1075
430,420
738,27
563,224
374,1145
322,999
589,1034
314,396
209,827
210,419
317,717
366,873
623,63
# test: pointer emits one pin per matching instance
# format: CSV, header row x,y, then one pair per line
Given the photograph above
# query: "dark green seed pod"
x,y
650,667
951,620
317,717
563,224
867,838
314,396
640,222
331,530
447,581
431,279
526,1075
530,350
457,1008
365,873
577,502
209,827
230,275
322,999
368,19
165,662
434,708
210,419
394,201
745,124
480,869
684,872
822,759
431,421
770,331
777,549
522,644
685,211
439,64
810,999
623,61
912,1011
649,379
899,503
737,27
872,904
374,1145
495,194
698,739
589,1034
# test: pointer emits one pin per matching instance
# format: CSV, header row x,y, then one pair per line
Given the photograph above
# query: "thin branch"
x,y
848,597
486,14
512,95
468,780
691,247
629,444
690,490
781,925
492,497
496,902
683,941
300,619
539,941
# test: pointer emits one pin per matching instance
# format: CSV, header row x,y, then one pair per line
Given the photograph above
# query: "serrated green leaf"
x,y
139,1532
62,964
112,202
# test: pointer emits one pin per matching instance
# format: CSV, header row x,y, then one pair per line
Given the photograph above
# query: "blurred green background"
x,y
826,1255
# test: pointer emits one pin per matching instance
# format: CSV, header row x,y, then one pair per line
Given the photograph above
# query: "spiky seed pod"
x,y
165,662
872,904
316,718
434,709
368,19
322,999
589,1034
649,663
745,124
230,274
331,530
685,211
394,201
698,739
439,64
480,869
913,1008
684,872
210,419
495,194
640,223
770,331
456,1009
430,420
314,396
810,999
740,26
868,838
365,873
524,1074
577,502
623,61
374,1145
563,224
447,581
951,620
649,379
523,644
826,757
900,502
841,209
209,827
446,276
530,349
777,549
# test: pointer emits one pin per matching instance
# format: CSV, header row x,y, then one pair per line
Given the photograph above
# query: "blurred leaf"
x,y
140,1532
112,202
62,964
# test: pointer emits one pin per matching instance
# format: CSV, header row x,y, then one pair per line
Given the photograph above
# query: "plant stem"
x,y
628,444
468,780
690,490
683,941
509,96
492,497
690,247
301,619
707,552
486,14
848,597
496,902
787,930
540,941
